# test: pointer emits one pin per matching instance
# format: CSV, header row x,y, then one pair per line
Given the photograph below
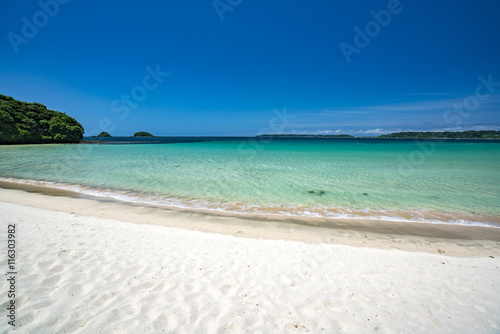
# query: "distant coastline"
x,y
33,123
302,136
120,140
483,134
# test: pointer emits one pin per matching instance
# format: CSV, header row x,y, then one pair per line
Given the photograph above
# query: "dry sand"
x,y
85,266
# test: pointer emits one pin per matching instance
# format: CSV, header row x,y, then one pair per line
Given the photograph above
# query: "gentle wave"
x,y
420,216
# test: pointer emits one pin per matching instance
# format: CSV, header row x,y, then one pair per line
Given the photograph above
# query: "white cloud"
x,y
434,105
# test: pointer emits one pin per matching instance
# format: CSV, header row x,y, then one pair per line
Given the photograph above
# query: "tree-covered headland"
x,y
33,123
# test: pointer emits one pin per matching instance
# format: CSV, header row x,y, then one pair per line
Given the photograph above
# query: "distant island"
x,y
484,134
302,136
444,135
33,123
143,134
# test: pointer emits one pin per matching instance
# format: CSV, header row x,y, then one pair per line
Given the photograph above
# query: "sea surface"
x,y
456,182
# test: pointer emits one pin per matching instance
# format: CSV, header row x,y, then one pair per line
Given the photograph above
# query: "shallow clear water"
x,y
434,181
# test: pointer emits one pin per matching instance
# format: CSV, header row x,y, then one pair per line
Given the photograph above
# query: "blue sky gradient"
x,y
423,70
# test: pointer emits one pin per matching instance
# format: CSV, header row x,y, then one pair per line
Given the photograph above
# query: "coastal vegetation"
x,y
484,134
32,123
143,134
445,135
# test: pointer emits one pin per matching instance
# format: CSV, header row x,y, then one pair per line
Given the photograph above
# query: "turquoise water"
x,y
429,181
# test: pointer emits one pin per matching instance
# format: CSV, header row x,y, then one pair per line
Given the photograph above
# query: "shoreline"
x,y
292,213
447,239
79,273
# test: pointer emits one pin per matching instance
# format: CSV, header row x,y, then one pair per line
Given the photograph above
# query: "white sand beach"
x,y
79,270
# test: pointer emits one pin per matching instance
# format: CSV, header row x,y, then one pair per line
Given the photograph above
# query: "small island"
x,y
143,134
32,123
104,134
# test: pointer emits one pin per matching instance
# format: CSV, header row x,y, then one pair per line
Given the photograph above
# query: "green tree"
x,y
33,123
104,134
143,134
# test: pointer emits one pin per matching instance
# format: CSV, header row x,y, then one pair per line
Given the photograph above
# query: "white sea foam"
x,y
421,216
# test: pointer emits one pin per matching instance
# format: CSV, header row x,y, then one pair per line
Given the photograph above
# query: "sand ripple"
x,y
90,275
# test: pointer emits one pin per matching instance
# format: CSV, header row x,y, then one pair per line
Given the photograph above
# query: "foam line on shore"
x,y
88,274
455,240
293,212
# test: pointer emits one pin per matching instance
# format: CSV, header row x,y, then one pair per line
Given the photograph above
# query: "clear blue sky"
x,y
226,76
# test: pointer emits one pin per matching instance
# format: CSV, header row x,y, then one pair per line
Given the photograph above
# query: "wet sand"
x,y
89,266
454,240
